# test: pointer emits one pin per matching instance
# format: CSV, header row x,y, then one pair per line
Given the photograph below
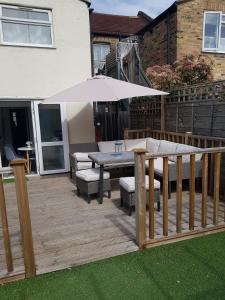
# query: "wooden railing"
x,y
18,169
145,224
200,141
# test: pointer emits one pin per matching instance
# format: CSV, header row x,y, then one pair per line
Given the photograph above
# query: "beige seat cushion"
x,y
130,145
128,183
83,165
158,164
107,147
81,156
91,175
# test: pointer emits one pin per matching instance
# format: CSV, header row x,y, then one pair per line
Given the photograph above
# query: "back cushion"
x,y
186,148
106,147
168,147
135,144
153,145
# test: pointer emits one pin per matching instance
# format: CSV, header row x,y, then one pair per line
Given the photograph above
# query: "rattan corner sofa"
x,y
153,146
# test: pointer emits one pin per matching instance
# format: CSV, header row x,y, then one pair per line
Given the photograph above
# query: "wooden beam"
x,y
24,216
5,228
151,200
162,113
165,195
205,170
11,278
184,236
179,193
140,197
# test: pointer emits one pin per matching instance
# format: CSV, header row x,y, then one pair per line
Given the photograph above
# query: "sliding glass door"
x,y
51,138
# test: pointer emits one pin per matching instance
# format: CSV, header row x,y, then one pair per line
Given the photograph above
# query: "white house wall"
x,y
29,72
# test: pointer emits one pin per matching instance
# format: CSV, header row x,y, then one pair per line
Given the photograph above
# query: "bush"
x,y
163,77
187,71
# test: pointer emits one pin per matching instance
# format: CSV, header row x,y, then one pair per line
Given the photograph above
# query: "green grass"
x,y
193,269
11,180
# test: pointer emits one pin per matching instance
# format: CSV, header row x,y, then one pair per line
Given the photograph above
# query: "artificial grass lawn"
x,y
11,180
193,269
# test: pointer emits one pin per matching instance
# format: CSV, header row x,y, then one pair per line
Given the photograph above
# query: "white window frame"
x,y
213,50
27,22
100,44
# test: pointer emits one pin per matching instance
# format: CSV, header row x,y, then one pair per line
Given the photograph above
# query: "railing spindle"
x,y
205,170
179,193
140,197
216,197
165,195
192,193
151,200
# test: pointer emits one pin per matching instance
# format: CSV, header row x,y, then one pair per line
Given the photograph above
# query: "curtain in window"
x,y
212,23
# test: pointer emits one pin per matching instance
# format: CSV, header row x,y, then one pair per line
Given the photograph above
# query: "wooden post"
x,y
162,113
151,200
179,193
165,195
5,228
192,193
126,134
216,198
24,216
205,170
140,197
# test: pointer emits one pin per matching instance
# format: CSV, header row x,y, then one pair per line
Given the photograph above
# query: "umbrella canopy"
x,y
103,89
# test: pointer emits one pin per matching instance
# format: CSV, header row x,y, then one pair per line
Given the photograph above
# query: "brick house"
x,y
107,30
187,27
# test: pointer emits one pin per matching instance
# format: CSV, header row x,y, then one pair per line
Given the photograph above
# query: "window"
x,y
214,32
25,26
100,53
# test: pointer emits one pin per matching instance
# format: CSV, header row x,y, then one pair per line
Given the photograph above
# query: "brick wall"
x,y
158,40
105,39
190,31
185,36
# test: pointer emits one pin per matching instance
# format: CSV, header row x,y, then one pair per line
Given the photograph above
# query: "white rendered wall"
x,y
30,73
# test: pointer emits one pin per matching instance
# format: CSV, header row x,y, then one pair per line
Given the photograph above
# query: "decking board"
x,y
67,231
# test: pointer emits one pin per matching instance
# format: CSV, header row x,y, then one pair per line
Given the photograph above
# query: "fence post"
x,y
140,197
5,228
24,217
126,134
162,113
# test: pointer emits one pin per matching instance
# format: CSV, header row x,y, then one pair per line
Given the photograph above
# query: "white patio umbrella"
x,y
102,89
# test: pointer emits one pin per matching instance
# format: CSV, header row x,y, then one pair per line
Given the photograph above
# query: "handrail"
x,y
200,151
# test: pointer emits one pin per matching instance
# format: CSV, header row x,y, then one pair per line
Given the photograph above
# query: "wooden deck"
x,y
67,231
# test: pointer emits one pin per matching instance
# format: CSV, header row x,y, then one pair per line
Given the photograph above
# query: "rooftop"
x,y
107,24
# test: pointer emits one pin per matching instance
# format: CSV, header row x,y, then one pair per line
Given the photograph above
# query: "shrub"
x,y
187,71
163,77
194,70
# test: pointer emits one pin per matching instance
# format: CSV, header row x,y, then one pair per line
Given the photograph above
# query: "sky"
x,y
131,7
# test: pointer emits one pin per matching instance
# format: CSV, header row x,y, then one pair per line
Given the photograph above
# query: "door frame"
x,y
39,144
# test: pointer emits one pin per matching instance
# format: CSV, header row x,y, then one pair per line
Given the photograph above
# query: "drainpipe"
x,y
91,41
168,38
